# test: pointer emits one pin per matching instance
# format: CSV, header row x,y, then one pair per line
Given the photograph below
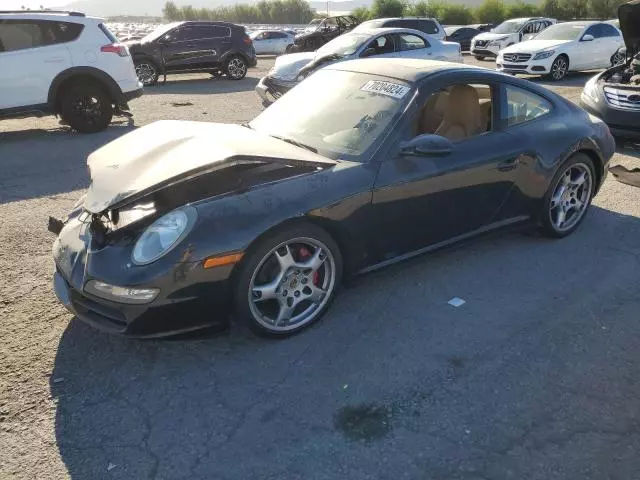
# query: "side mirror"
x,y
427,146
368,52
587,38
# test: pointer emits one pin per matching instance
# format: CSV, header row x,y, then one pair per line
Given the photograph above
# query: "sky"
x,y
17,4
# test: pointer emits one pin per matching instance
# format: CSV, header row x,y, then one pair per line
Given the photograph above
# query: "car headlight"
x,y
543,55
591,89
163,235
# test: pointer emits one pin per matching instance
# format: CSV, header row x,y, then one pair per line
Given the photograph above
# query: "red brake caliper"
x,y
304,253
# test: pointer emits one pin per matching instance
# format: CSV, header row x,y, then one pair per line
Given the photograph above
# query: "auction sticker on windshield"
x,y
390,89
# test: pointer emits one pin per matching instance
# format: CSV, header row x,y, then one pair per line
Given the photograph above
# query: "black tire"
x,y
289,49
235,68
559,68
147,71
87,108
479,57
548,227
255,262
216,73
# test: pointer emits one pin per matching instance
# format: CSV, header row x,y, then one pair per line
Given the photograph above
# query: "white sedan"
x,y
564,47
271,41
378,42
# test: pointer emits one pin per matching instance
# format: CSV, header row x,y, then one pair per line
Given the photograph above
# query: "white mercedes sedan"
x,y
291,69
564,47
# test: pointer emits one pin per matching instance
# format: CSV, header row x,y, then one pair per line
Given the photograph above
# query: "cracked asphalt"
x,y
535,377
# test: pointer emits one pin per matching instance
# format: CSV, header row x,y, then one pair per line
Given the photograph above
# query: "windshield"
x,y
158,32
346,44
510,26
561,31
451,30
313,25
368,104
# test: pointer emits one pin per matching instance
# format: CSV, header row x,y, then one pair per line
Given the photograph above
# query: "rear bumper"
x,y
133,94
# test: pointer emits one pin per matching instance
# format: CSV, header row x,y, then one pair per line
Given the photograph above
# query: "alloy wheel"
x,y
571,197
559,68
146,73
88,108
618,59
291,284
236,68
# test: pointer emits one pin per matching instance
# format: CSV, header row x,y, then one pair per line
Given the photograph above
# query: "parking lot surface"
x,y
534,377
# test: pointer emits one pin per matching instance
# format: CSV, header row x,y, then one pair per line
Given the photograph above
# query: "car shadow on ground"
x,y
391,371
28,157
573,79
202,84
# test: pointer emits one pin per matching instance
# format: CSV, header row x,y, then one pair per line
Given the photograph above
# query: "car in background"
x,y
429,26
615,23
367,163
509,32
322,30
64,63
564,47
271,41
614,95
193,47
289,70
462,35
482,27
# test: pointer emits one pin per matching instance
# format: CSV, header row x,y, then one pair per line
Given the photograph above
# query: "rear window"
x,y
427,26
25,34
112,38
65,31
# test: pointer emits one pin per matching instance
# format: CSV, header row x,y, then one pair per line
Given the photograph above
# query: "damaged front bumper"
x,y
186,296
270,89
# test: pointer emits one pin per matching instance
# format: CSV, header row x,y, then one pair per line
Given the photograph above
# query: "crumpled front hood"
x,y
288,66
490,36
534,46
165,152
629,16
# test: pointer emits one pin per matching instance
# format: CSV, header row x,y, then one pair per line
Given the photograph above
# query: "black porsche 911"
x,y
365,163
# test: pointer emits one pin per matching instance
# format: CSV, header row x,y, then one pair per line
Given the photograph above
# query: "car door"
x,y
261,43
613,41
593,51
190,48
430,200
279,40
31,56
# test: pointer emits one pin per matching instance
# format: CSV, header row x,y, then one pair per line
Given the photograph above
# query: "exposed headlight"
x,y
163,234
121,294
591,89
542,55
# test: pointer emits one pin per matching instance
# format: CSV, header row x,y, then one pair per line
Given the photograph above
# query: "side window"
x,y
278,35
427,26
609,31
524,106
62,32
529,28
20,35
411,42
593,30
381,45
217,31
458,112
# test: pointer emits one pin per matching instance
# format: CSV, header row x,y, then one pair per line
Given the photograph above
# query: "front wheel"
x,y
147,72
86,108
559,68
618,58
288,281
569,196
235,68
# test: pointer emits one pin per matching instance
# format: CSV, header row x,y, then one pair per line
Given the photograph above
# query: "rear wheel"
x,y
86,108
235,68
569,196
146,71
288,280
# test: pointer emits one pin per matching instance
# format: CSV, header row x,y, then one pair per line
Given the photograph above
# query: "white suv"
x,y
509,32
64,63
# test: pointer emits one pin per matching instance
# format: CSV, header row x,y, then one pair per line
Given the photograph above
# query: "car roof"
x,y
407,69
48,15
381,30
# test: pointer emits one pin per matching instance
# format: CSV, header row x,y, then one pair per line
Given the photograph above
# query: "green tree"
x,y
171,12
361,13
387,8
456,15
552,9
604,9
575,9
521,9
491,11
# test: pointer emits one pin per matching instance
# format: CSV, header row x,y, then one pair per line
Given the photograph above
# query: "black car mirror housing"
x,y
427,146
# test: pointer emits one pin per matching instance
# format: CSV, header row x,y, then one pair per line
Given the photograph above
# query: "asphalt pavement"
x,y
535,377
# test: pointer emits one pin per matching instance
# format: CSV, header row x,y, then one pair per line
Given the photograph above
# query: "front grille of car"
x,y
480,51
516,57
482,43
514,67
624,99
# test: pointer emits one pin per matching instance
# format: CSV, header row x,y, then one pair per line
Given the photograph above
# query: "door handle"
x,y
509,165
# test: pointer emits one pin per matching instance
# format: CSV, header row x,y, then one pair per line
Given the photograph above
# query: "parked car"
x,y
461,35
66,64
322,30
564,47
291,69
482,27
508,33
185,222
271,41
430,26
190,47
614,95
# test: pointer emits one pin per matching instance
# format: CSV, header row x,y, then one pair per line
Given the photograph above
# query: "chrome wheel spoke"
x,y
316,261
285,259
285,313
571,197
562,216
578,182
262,293
316,294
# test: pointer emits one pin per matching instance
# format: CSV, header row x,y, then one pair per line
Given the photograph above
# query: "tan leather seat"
x,y
433,113
462,118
